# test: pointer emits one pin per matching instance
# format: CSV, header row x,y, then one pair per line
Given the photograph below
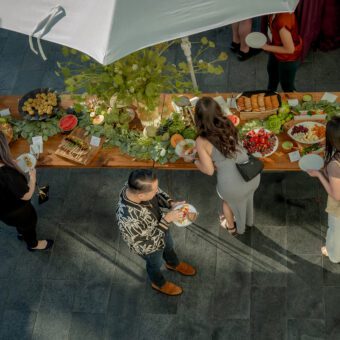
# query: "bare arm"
x,y
287,42
205,163
31,185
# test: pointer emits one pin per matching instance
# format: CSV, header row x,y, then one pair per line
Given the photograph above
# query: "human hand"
x,y
174,215
313,173
265,47
175,204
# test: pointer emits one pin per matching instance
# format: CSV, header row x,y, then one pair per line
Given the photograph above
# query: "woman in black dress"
x,y
16,192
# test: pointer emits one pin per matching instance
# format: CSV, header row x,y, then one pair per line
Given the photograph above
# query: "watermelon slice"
x,y
234,119
68,122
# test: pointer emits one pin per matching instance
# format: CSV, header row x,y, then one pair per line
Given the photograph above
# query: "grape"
x,y
299,129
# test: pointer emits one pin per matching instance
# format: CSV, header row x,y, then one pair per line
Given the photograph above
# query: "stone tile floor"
x,y
272,283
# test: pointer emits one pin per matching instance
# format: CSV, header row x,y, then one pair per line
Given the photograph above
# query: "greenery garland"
x,y
28,129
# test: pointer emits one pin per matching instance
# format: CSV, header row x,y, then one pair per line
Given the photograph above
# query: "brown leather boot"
x,y
168,288
183,268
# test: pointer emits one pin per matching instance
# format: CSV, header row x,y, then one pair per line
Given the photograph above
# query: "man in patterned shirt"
x,y
145,228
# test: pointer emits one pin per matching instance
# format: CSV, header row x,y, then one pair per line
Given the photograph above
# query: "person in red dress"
x,y
285,50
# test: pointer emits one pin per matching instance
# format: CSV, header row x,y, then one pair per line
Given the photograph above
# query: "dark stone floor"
x,y
271,283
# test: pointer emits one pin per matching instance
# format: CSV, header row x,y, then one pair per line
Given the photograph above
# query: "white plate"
x,y
259,154
179,149
311,162
256,39
186,221
22,163
308,125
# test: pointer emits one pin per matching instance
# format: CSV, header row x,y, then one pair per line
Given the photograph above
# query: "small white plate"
x,y
180,152
186,222
23,162
256,39
311,162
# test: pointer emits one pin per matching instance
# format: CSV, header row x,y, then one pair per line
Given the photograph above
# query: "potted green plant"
x,y
137,79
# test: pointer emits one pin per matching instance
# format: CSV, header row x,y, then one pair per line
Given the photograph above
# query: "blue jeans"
x,y
154,261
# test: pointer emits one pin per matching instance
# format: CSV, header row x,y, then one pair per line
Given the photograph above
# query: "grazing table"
x,y
279,161
113,158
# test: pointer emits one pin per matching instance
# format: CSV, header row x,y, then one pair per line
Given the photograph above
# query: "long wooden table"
x,y
110,157
279,161
113,158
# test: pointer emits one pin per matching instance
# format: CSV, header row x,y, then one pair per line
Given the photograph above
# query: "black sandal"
x,y
235,47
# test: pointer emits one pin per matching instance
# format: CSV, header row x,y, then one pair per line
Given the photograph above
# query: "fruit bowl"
x,y
307,132
260,142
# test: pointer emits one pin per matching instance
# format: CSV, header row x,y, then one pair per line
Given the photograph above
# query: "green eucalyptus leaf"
x,y
204,40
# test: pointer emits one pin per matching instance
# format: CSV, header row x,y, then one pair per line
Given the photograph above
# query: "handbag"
x,y
250,168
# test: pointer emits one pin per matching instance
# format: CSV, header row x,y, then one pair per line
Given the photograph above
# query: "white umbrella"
x,y
108,30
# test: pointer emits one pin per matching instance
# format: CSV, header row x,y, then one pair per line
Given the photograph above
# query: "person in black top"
x,y
15,199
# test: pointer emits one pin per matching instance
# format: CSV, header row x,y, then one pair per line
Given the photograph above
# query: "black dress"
x,y
13,210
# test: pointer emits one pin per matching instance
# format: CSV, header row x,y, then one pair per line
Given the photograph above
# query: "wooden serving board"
x,y
75,154
244,115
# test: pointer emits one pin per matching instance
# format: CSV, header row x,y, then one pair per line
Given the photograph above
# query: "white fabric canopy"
x,y
108,30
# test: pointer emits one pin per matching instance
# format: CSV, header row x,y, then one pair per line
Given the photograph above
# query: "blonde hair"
x,y
5,154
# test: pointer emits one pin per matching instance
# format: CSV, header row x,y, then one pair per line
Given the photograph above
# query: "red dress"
x,y
287,20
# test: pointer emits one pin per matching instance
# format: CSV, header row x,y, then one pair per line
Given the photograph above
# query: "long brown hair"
x,y
213,126
332,140
5,154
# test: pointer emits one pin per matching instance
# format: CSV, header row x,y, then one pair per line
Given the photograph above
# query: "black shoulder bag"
x,y
250,169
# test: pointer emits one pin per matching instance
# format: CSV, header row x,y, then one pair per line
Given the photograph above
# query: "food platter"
x,y
39,104
257,104
68,122
6,129
190,215
76,147
186,149
260,143
26,162
307,132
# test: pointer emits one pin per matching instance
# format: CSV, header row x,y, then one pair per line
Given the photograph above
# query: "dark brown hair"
x,y
5,154
213,126
140,181
332,140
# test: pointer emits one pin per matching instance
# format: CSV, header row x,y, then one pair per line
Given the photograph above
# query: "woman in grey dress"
x,y
218,147
330,179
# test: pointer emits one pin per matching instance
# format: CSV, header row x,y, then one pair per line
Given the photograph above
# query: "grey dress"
x,y
233,189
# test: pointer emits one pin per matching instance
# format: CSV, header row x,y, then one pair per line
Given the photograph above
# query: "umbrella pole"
x,y
186,47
